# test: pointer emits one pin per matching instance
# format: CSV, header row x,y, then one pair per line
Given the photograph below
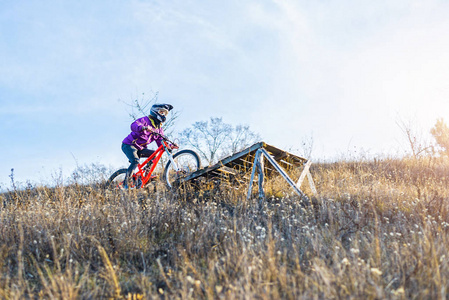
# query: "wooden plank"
x,y
227,170
296,160
303,174
280,156
225,161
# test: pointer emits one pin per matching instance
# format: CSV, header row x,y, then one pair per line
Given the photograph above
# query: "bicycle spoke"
x,y
184,163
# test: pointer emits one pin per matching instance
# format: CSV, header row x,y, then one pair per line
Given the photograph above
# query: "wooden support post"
x,y
286,177
303,174
311,183
258,165
260,171
256,159
306,172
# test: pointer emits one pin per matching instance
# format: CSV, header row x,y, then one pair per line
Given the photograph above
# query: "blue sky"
x,y
341,72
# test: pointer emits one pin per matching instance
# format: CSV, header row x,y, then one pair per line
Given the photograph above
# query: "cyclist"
x,y
135,144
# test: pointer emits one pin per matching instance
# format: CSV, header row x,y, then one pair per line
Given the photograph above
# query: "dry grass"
x,y
378,230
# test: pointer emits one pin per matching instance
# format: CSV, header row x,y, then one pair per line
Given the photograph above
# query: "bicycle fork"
x,y
170,157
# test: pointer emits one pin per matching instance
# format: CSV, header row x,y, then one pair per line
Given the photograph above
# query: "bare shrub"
x,y
215,139
441,134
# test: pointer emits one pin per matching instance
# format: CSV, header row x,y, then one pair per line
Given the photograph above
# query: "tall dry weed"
x,y
377,230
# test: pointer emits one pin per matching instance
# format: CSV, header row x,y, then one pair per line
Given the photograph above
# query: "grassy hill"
x,y
377,230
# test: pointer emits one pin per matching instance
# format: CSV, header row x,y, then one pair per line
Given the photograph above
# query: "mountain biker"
x,y
135,144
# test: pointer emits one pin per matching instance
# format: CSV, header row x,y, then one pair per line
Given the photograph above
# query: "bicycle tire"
x,y
112,181
116,182
189,162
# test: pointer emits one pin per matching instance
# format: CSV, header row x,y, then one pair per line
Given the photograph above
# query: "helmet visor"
x,y
163,111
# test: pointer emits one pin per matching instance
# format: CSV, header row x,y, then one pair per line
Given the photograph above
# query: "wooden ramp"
x,y
251,160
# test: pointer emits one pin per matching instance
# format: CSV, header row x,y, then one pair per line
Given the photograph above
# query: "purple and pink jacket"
x,y
141,138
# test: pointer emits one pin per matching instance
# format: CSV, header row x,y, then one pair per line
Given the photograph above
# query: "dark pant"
x,y
133,156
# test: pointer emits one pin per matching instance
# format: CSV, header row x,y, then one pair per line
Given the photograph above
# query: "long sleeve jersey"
x,y
141,138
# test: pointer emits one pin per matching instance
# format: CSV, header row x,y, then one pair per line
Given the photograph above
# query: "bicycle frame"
x,y
156,156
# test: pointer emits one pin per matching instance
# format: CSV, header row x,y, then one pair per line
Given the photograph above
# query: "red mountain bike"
x,y
179,165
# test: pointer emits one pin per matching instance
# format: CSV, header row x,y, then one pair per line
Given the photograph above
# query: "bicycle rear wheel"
x,y
186,162
117,180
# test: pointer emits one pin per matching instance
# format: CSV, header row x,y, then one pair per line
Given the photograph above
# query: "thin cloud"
x,y
341,69
351,69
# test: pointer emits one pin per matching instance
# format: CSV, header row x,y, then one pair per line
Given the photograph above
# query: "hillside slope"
x,y
377,230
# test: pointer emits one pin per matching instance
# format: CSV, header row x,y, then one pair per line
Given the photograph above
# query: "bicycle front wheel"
x,y
186,162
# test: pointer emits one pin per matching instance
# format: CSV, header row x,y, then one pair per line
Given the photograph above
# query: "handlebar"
x,y
164,138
